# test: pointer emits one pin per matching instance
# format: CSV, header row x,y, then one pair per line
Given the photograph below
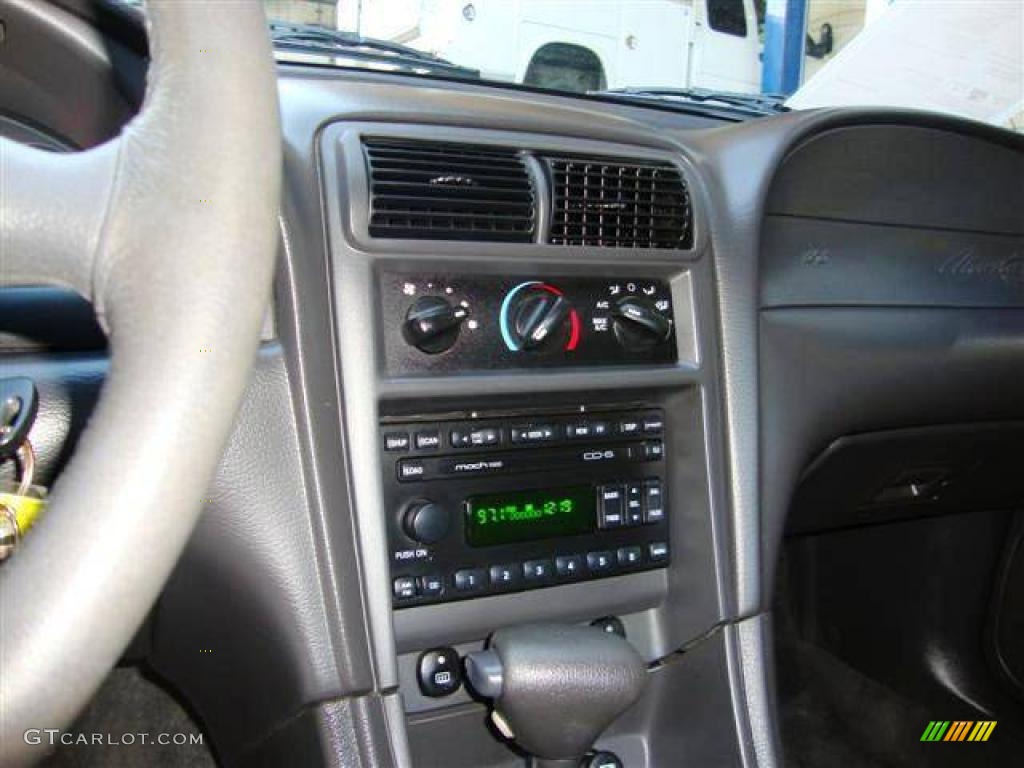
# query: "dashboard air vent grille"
x,y
440,191
618,203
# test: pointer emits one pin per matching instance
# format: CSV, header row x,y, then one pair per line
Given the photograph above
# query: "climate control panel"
x,y
442,322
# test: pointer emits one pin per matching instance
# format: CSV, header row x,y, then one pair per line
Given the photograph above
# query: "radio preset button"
x,y
470,579
568,566
428,440
634,503
610,508
654,503
405,587
599,562
396,441
505,575
537,570
629,556
657,552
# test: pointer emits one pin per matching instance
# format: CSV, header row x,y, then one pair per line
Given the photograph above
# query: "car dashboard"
x,y
533,358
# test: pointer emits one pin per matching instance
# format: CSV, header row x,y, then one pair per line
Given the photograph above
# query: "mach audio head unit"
x,y
488,505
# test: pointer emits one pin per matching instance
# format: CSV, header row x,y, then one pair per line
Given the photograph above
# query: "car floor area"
x,y
868,651
127,705
832,715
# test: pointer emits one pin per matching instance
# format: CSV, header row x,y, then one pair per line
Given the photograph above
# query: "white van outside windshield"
x,y
754,57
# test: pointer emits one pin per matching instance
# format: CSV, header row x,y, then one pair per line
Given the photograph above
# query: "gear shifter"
x,y
556,687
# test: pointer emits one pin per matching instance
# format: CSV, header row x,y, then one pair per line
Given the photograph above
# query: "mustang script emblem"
x,y
967,264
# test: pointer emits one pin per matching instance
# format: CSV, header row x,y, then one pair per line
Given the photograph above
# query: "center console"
x,y
535,367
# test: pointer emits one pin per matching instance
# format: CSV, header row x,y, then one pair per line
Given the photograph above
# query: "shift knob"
x,y
557,687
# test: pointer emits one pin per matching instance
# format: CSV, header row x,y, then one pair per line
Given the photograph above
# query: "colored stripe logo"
x,y
958,730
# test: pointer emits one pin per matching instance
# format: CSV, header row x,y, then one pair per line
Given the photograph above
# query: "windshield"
x,y
748,57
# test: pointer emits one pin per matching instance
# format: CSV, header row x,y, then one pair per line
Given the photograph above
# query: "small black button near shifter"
x,y
602,760
439,672
611,624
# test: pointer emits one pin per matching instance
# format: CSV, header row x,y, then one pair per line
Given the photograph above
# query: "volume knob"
x,y
426,521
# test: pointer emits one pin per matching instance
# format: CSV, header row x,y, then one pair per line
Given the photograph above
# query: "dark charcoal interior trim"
x,y
841,287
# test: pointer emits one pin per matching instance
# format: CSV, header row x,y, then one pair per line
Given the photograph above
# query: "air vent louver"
x,y
618,203
437,191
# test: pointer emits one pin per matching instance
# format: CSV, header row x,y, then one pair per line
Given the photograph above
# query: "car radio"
x,y
486,504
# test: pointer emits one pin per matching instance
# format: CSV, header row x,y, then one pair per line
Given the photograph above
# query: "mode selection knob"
x,y
426,521
432,324
535,315
638,324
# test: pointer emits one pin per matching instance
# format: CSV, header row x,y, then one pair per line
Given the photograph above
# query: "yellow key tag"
x,y
26,507
21,503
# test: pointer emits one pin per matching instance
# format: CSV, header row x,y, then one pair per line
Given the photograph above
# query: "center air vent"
x,y
618,203
437,191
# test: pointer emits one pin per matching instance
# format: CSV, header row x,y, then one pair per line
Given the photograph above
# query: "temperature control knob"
x,y
536,315
432,324
426,521
638,324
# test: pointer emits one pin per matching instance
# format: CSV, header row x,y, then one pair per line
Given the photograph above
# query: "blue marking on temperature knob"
x,y
503,321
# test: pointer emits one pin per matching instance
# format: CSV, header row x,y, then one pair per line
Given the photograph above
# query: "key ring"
x,y
27,462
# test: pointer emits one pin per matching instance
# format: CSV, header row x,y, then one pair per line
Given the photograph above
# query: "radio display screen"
x,y
505,518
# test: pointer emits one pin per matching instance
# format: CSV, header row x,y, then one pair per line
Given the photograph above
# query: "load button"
x,y
410,469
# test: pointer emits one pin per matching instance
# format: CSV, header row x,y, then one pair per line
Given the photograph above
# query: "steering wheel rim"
x,y
170,231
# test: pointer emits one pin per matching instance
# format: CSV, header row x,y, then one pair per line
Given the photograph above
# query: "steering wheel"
x,y
170,230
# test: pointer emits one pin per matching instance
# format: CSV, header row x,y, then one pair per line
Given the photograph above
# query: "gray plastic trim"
x,y
756,723
542,201
468,620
